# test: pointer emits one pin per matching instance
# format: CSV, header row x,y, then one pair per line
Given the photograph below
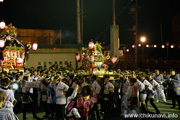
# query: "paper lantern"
x,y
34,46
91,58
2,25
19,60
113,59
91,45
2,43
5,59
78,57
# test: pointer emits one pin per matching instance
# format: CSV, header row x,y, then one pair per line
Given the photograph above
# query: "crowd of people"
x,y
71,95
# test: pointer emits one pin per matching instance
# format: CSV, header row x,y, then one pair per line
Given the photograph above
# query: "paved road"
x,y
165,109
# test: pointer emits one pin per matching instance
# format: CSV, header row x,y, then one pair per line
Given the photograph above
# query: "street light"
x,y
143,39
172,46
133,46
139,45
155,46
163,46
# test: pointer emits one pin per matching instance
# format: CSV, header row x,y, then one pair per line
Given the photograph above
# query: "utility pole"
x,y
136,39
82,12
78,23
114,34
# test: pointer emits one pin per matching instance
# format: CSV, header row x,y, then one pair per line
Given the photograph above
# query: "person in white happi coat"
x,y
107,89
132,97
160,90
124,85
26,96
81,83
151,94
60,90
9,99
143,94
6,114
44,93
140,88
94,97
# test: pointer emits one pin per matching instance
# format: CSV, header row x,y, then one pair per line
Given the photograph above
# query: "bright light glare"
x,y
143,39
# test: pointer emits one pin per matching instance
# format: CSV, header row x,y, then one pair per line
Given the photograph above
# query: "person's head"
x,y
87,90
172,72
56,79
81,79
149,76
125,76
118,70
106,78
69,77
141,75
132,81
6,82
35,73
27,78
12,79
47,79
157,72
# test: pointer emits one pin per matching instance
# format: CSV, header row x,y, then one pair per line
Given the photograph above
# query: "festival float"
x,y
13,52
94,61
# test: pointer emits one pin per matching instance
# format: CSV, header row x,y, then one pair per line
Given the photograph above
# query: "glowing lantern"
x,y
172,46
2,25
113,59
91,58
34,46
78,57
5,59
2,43
163,46
91,45
147,46
19,60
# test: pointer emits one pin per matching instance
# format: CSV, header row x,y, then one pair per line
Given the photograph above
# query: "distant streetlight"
x,y
163,46
139,45
143,39
147,46
1,0
172,46
155,46
127,50
133,46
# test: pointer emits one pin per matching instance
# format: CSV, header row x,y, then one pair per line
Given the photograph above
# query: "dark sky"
x,y
61,14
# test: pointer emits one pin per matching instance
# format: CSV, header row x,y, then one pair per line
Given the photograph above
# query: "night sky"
x,y
61,14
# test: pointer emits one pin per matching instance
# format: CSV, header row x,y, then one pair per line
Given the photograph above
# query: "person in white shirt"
x,y
124,85
160,90
151,94
61,99
94,97
71,95
143,94
107,89
8,102
6,114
